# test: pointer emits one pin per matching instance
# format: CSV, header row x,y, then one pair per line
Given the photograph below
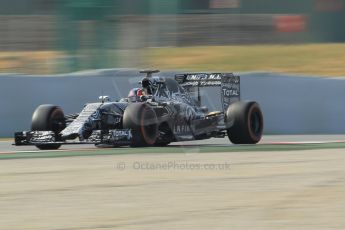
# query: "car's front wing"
x,y
116,137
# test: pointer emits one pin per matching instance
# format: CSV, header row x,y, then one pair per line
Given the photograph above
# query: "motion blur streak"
x,y
47,36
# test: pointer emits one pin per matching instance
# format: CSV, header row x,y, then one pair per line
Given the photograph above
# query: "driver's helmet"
x,y
148,86
135,94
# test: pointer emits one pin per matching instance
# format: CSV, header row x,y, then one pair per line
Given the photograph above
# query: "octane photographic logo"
x,y
183,165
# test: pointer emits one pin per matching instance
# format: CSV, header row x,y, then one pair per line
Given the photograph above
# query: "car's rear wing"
x,y
229,85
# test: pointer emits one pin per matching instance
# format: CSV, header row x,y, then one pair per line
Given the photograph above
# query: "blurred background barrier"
x,y
291,104
57,36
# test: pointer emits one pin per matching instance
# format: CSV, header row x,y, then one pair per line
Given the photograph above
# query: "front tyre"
x,y
245,121
48,118
142,120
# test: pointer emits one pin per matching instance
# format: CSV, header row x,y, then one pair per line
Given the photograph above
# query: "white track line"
x,y
303,142
263,143
38,151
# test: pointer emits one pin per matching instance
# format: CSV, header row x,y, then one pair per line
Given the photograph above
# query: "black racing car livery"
x,y
162,110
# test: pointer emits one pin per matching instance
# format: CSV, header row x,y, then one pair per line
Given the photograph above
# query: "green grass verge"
x,y
171,149
309,59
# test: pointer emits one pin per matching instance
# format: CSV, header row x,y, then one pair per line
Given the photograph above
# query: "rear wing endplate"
x,y
229,85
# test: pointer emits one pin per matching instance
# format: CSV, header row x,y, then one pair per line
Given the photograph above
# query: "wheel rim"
x,y
57,120
149,126
255,123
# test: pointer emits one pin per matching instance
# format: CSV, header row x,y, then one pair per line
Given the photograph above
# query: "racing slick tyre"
x,y
142,120
245,122
48,118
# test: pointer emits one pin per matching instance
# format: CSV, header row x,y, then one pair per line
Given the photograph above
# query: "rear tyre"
x,y
142,120
48,118
245,122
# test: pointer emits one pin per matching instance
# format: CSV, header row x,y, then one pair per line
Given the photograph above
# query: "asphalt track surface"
x,y
286,182
269,142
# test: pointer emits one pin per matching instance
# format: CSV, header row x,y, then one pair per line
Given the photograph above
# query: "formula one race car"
x,y
160,111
